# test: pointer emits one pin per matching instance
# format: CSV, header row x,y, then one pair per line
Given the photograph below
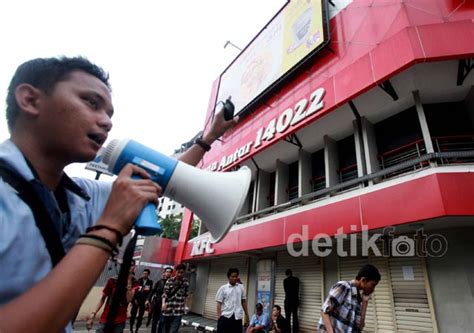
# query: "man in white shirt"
x,y
231,304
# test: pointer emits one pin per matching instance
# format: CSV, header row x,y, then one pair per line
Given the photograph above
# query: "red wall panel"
x,y
432,196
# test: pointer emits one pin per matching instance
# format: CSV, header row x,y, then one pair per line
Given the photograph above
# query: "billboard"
x,y
298,31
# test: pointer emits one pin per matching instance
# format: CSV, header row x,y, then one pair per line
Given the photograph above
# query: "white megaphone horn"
x,y
216,197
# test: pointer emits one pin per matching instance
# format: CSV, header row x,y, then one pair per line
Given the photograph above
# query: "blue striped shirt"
x,y
23,255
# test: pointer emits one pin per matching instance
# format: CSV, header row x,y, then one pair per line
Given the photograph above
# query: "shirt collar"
x,y
354,290
12,156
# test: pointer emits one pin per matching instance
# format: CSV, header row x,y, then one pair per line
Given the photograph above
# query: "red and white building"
x,y
374,131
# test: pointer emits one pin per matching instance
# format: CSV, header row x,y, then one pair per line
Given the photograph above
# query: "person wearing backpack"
x,y
345,307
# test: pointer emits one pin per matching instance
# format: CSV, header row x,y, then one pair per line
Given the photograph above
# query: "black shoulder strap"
x,y
27,193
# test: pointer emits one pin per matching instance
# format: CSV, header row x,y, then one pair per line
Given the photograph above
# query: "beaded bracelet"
x,y
99,242
103,226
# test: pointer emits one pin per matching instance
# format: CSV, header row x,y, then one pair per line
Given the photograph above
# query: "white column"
x,y
359,150
281,182
331,161
370,146
304,173
423,123
262,189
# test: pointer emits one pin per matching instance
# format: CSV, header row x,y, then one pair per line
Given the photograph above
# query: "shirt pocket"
x,y
345,310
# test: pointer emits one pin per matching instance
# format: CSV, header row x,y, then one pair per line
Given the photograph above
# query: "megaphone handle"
x,y
147,222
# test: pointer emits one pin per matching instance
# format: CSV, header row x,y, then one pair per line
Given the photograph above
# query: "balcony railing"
x,y
402,154
347,173
293,192
454,143
403,166
318,183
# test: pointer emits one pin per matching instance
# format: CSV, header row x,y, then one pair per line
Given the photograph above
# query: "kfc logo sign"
x,y
202,246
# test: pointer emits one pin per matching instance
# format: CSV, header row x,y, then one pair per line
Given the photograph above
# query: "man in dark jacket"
x,y
279,323
292,289
145,285
154,299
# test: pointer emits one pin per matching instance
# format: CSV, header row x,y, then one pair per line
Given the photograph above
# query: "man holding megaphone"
x,y
57,233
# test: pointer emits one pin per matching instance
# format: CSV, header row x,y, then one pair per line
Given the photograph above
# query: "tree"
x,y
171,226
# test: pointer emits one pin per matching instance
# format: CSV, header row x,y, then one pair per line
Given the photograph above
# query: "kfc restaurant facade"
x,y
357,121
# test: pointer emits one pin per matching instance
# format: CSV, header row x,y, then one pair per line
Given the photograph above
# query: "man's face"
x,y
167,274
145,275
259,311
233,278
180,274
75,118
368,286
275,312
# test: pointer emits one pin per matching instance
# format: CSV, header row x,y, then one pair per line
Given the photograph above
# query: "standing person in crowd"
x,y
155,299
279,323
59,112
145,286
107,293
260,321
174,301
345,307
292,291
231,304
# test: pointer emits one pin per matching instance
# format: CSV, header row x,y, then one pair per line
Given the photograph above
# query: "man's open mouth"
x,y
98,138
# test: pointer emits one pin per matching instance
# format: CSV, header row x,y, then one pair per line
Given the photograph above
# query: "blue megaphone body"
x,y
159,166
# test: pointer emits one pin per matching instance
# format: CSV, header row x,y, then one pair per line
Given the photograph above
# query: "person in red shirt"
x,y
107,292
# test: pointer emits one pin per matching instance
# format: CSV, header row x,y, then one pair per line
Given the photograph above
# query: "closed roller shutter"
x,y
380,311
218,277
382,298
400,302
413,310
348,269
308,270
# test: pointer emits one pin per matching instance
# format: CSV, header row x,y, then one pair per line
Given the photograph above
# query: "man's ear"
x,y
28,98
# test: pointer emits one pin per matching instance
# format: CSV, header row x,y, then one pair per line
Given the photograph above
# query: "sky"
x,y
162,56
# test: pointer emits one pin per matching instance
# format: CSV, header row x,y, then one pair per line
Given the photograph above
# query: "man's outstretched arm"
x,y
219,126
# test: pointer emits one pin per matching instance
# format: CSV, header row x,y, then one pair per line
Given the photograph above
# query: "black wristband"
x,y
200,142
103,226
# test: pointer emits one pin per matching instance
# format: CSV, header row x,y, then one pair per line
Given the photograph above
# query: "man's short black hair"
x,y
44,74
181,267
147,270
259,306
277,307
168,269
288,272
232,271
369,272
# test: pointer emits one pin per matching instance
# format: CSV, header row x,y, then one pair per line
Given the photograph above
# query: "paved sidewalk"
x,y
80,327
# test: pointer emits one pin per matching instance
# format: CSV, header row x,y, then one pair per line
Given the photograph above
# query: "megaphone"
x,y
216,197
